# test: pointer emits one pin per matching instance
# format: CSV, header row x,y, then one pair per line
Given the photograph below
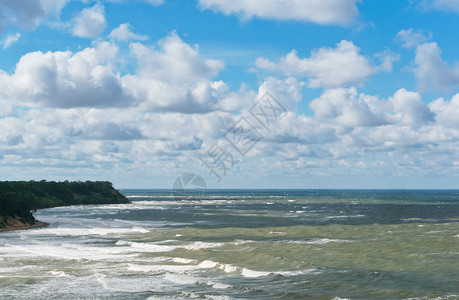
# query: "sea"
x,y
241,244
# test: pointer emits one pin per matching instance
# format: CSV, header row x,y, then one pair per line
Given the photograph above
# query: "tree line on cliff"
x,y
20,199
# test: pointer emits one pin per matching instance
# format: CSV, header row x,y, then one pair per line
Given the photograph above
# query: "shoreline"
x,y
16,227
17,209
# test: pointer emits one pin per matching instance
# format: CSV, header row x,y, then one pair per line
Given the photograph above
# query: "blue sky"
x,y
138,92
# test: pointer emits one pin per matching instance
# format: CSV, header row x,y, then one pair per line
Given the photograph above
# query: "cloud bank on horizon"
x,y
136,91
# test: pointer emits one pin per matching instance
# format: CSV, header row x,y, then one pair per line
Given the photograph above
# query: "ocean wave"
x,y
149,196
278,232
176,274
67,251
131,285
246,272
253,274
321,241
155,247
190,280
59,273
203,245
181,260
64,231
160,268
343,217
193,266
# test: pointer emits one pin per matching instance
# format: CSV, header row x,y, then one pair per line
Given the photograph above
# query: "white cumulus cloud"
x,y
348,108
175,77
432,71
329,67
154,2
75,111
26,14
64,79
324,12
287,91
446,112
171,77
90,22
345,106
447,5
408,108
124,33
410,38
10,40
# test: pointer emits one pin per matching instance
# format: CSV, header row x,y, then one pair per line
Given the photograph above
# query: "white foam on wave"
x,y
204,265
227,268
108,231
161,268
202,245
193,295
12,270
151,247
434,231
208,264
221,286
146,196
63,231
104,207
321,241
131,284
179,273
343,217
166,203
296,272
122,243
181,260
58,273
278,232
166,242
254,274
74,252
154,247
181,279
241,242
139,205
184,279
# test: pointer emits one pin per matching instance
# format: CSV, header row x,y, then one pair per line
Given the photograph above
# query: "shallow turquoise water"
x,y
267,244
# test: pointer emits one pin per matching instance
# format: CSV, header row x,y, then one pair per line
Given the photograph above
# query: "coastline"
x,y
19,199
13,224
